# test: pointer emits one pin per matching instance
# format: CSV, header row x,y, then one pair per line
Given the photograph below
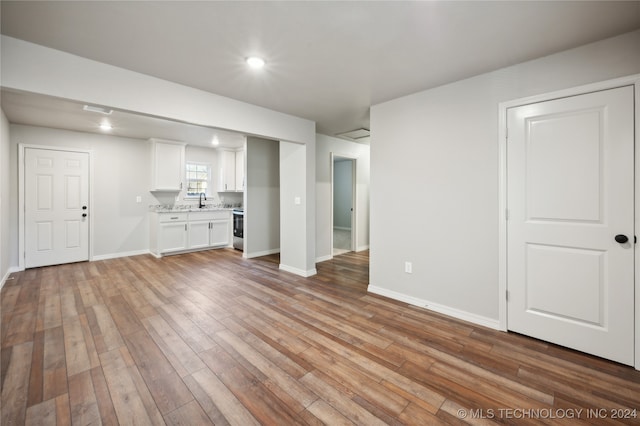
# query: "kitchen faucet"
x,y
201,204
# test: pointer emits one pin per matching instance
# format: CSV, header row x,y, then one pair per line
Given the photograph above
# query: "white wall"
x,y
434,156
342,193
5,209
295,248
325,146
121,171
262,198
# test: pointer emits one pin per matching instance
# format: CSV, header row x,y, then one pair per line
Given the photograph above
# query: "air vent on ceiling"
x,y
355,135
99,109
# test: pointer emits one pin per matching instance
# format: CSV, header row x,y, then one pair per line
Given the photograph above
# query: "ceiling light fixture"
x,y
106,126
99,109
215,141
255,62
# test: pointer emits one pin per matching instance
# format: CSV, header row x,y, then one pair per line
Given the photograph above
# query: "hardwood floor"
x,y
209,337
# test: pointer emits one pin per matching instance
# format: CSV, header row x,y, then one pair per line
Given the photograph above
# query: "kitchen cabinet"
x,y
174,232
169,233
240,176
167,165
231,174
211,228
198,234
219,233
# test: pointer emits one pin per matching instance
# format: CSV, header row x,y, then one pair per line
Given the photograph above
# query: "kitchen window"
x,y
198,179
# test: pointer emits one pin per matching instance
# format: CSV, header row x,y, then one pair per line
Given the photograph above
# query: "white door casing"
x,y
354,197
570,191
56,207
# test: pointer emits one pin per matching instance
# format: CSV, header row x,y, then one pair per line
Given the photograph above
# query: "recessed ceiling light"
x,y
215,141
106,126
95,108
255,62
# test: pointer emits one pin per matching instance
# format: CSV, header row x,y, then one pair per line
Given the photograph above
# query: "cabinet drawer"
x,y
172,217
209,215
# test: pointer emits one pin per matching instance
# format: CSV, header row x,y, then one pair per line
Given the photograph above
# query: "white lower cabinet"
x,y
174,237
198,234
219,233
179,232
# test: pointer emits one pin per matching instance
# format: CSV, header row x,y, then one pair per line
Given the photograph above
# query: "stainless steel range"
x,y
238,229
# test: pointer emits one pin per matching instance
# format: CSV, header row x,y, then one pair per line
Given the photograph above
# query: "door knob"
x,y
621,238
84,215
84,207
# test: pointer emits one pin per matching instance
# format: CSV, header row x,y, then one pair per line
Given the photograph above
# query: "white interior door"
x,y
56,195
570,192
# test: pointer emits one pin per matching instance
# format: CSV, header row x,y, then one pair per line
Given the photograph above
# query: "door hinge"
x,y
506,293
506,214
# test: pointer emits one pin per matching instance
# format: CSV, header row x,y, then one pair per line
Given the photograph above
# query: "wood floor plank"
x,y
270,369
213,338
106,329
36,379
127,402
183,359
42,414
103,398
54,364
339,399
221,399
77,357
15,385
188,415
82,399
63,413
165,385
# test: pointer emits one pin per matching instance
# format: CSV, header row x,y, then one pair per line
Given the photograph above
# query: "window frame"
x,y
209,180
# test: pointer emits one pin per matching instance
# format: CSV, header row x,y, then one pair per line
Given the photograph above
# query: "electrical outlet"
x,y
138,199
408,267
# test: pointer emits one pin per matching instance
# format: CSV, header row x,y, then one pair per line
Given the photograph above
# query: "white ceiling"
x,y
45,111
327,61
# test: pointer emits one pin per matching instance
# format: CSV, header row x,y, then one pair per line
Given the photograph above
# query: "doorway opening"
x,y
343,196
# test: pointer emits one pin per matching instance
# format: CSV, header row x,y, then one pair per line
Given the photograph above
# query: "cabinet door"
x,y
240,177
199,234
173,236
168,167
227,171
219,235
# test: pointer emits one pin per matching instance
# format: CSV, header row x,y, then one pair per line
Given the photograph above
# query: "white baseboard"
x,y
122,254
342,228
4,279
297,271
260,253
324,258
10,271
442,309
362,248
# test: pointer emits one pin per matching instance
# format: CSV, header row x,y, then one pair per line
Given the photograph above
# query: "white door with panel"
x,y
570,197
56,197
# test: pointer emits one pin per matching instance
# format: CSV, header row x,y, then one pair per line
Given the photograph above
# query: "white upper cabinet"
x,y
167,167
240,176
231,171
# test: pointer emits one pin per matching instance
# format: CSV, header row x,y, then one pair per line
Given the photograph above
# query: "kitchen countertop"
x,y
188,208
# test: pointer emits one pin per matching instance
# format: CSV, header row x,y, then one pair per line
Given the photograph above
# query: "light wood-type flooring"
x,y
212,338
